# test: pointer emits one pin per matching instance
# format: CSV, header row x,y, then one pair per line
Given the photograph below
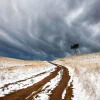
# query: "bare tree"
x,y
75,47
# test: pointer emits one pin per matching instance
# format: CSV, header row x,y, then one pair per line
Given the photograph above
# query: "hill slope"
x,y
70,78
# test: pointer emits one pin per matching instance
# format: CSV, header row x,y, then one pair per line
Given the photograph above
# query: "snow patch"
x,y
64,93
47,88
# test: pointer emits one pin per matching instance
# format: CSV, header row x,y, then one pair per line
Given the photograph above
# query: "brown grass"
x,y
13,63
87,61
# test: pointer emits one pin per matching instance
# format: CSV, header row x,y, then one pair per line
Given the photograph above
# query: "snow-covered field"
x,y
85,73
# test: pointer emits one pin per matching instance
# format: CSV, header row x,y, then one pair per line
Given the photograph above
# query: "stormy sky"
x,y
45,29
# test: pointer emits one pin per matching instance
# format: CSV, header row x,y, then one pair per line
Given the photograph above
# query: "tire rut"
x,y
57,92
69,93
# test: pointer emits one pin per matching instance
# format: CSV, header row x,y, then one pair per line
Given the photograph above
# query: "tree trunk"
x,y
74,51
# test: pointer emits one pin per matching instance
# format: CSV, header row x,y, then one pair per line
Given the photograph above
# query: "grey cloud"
x,y
92,15
35,29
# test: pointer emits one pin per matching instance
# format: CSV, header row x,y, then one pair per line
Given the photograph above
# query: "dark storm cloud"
x,y
35,29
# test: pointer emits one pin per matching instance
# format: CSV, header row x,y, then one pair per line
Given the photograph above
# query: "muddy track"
x,y
56,93
69,93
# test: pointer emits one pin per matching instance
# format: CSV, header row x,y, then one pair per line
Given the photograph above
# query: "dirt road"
x,y
33,92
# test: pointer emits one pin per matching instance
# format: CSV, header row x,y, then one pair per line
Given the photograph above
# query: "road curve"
x,y
34,90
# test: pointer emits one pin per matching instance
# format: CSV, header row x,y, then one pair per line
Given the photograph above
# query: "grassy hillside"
x,y
85,75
